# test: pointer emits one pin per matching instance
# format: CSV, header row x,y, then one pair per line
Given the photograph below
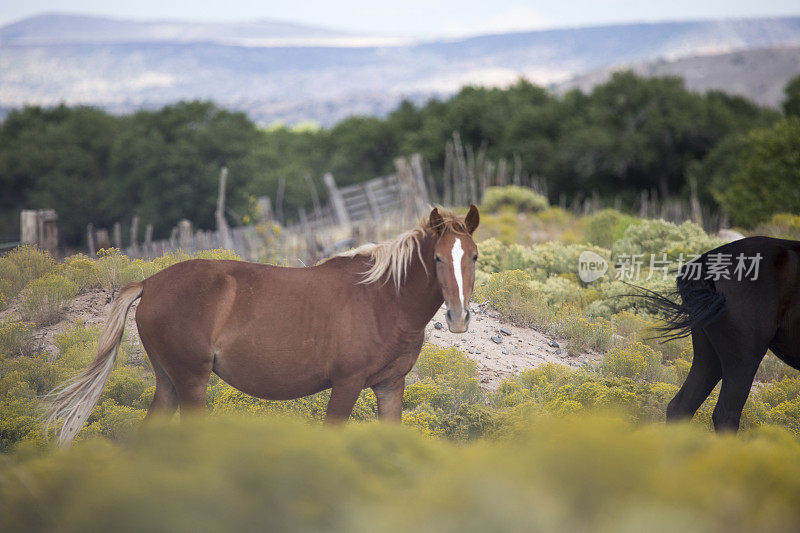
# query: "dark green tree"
x,y
791,102
168,162
59,158
767,182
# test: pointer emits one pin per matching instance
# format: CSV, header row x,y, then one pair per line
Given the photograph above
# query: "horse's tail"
x,y
72,402
700,304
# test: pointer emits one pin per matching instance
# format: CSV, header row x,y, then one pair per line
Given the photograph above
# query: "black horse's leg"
x,y
703,377
740,355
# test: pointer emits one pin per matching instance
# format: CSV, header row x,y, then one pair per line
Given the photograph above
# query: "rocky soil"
x,y
501,349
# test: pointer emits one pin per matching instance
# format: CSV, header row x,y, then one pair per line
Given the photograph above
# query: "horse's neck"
x,y
420,297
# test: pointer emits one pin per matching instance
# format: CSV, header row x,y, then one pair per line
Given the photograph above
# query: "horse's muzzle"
x,y
459,324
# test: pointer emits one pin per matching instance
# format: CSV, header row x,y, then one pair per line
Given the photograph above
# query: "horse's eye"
x,y
438,259
475,257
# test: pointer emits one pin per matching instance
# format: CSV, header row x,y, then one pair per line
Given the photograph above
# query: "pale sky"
x,y
422,18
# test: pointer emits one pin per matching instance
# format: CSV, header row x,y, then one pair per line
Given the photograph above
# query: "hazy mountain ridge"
x,y
57,28
759,74
124,65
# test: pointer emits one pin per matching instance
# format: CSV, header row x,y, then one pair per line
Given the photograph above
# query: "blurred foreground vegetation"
x,y
234,473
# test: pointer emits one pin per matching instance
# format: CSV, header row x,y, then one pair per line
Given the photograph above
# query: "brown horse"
x,y
354,321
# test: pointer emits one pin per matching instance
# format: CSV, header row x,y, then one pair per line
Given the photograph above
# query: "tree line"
x,y
628,134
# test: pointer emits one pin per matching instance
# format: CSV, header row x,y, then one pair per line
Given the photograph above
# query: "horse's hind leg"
x,y
165,399
191,388
740,356
182,374
704,375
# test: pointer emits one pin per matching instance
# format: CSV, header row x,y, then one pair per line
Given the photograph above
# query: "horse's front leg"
x,y
344,395
390,398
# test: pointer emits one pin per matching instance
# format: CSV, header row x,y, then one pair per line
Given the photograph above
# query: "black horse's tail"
x,y
701,304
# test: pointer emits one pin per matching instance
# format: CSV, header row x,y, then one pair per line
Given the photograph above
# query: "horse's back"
x,y
764,300
768,267
209,291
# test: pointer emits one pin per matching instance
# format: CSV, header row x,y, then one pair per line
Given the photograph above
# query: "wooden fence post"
x,y
148,235
314,195
117,229
339,208
447,183
134,246
101,236
372,200
222,224
412,201
423,195
48,230
29,227
310,240
264,209
279,200
502,177
90,240
185,235
517,169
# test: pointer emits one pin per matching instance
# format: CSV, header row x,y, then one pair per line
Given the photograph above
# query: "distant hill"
x,y
55,28
759,75
284,71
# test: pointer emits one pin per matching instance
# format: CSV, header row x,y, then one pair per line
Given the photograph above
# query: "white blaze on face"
x,y
458,253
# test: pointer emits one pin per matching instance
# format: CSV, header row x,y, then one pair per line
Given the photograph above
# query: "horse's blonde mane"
x,y
392,258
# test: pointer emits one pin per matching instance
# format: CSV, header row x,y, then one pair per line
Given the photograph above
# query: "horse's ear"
x,y
472,219
435,221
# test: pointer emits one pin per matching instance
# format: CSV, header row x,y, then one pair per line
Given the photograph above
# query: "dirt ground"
x,y
499,349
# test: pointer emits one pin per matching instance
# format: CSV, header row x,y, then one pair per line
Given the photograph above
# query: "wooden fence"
x,y
362,212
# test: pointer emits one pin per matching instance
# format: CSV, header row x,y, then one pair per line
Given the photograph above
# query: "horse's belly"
x,y
273,375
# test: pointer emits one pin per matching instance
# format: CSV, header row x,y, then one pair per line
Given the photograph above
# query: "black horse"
x,y
733,319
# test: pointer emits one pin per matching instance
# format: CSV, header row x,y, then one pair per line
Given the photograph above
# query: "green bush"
x,y
559,390
563,290
452,375
222,398
658,237
617,296
781,226
19,267
773,369
521,199
25,380
43,299
581,333
766,182
113,269
126,387
606,227
555,258
642,328
541,261
497,257
82,271
16,338
113,421
636,361
511,294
